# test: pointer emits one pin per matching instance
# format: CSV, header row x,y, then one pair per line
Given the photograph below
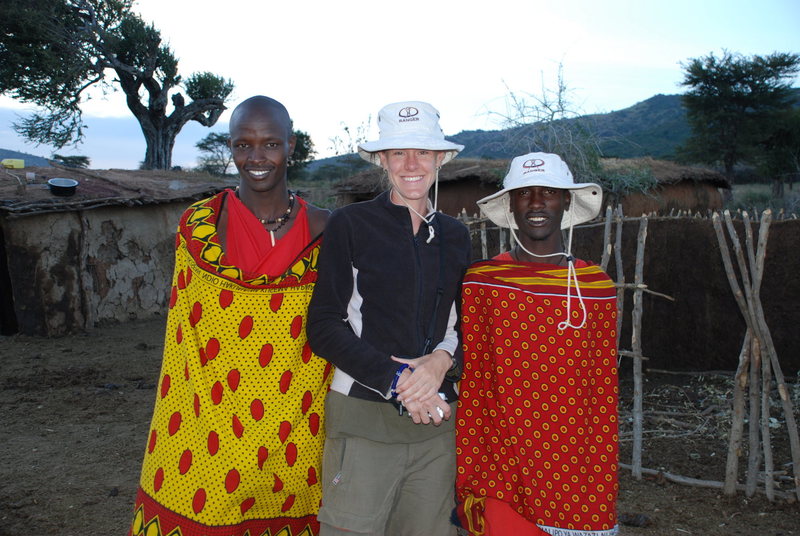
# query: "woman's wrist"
x,y
453,372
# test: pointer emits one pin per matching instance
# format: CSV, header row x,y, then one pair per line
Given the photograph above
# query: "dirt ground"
x,y
76,411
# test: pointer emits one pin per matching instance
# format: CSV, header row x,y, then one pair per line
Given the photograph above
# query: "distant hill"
x,y
30,160
654,127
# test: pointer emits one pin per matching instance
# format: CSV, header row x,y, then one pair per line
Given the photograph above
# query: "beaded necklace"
x,y
281,220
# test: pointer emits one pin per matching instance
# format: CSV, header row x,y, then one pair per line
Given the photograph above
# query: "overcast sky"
x,y
336,63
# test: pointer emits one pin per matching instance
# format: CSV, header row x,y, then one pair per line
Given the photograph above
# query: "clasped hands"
x,y
419,392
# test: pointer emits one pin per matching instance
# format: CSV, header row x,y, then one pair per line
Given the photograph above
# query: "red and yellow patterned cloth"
x,y
235,443
537,417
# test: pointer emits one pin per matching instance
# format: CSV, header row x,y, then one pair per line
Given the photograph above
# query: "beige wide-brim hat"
x,y
408,125
543,169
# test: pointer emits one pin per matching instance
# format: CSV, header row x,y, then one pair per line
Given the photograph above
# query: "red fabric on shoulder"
x,y
248,244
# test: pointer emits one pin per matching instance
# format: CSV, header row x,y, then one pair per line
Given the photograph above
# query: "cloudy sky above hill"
x,y
336,63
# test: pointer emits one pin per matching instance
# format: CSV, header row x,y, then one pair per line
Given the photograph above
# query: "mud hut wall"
x,y
43,256
73,270
703,328
132,261
463,194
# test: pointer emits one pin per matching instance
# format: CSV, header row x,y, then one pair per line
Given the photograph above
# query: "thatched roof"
x,y
102,188
493,171
666,172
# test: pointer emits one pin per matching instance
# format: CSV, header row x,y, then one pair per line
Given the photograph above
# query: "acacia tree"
x,y
779,150
216,155
730,103
52,52
303,154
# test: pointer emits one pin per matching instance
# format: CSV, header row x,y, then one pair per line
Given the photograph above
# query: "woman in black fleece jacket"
x,y
385,313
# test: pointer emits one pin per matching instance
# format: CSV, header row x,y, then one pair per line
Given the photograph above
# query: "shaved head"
x,y
261,106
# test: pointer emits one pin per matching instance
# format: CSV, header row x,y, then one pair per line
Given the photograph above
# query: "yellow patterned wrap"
x,y
235,443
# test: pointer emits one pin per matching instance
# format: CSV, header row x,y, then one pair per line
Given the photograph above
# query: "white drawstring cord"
x,y
572,275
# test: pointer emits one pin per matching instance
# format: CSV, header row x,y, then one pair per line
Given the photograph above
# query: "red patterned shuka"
x,y
235,444
537,416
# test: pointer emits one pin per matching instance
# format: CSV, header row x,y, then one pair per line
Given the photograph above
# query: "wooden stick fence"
x,y
758,357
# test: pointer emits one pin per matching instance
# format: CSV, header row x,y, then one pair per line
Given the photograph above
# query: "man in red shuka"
x,y
536,428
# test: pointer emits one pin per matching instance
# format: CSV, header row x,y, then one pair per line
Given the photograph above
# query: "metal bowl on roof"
x,y
62,187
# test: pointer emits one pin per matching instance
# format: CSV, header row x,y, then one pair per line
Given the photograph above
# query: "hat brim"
x,y
369,150
586,200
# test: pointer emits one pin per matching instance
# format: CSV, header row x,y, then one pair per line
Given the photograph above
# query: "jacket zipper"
x,y
419,278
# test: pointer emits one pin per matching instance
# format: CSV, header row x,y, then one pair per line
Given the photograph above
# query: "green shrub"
x,y
757,197
620,183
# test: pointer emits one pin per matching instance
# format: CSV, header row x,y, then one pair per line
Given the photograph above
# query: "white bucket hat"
x,y
408,125
543,169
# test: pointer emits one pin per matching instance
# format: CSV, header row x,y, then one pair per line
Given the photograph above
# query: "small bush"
x,y
623,182
757,197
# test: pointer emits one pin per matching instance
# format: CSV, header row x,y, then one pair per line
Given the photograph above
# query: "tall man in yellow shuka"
x,y
235,443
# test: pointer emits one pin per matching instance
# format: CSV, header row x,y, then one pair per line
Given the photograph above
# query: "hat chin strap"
x,y
431,208
572,276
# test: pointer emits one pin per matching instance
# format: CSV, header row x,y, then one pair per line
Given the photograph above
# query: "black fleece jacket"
x,y
378,279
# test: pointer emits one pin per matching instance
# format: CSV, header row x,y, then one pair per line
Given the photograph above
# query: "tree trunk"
x,y
162,130
160,142
777,188
728,164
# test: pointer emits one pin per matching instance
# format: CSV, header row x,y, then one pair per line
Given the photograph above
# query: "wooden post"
x,y
769,468
737,419
636,348
757,270
728,264
772,355
754,443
